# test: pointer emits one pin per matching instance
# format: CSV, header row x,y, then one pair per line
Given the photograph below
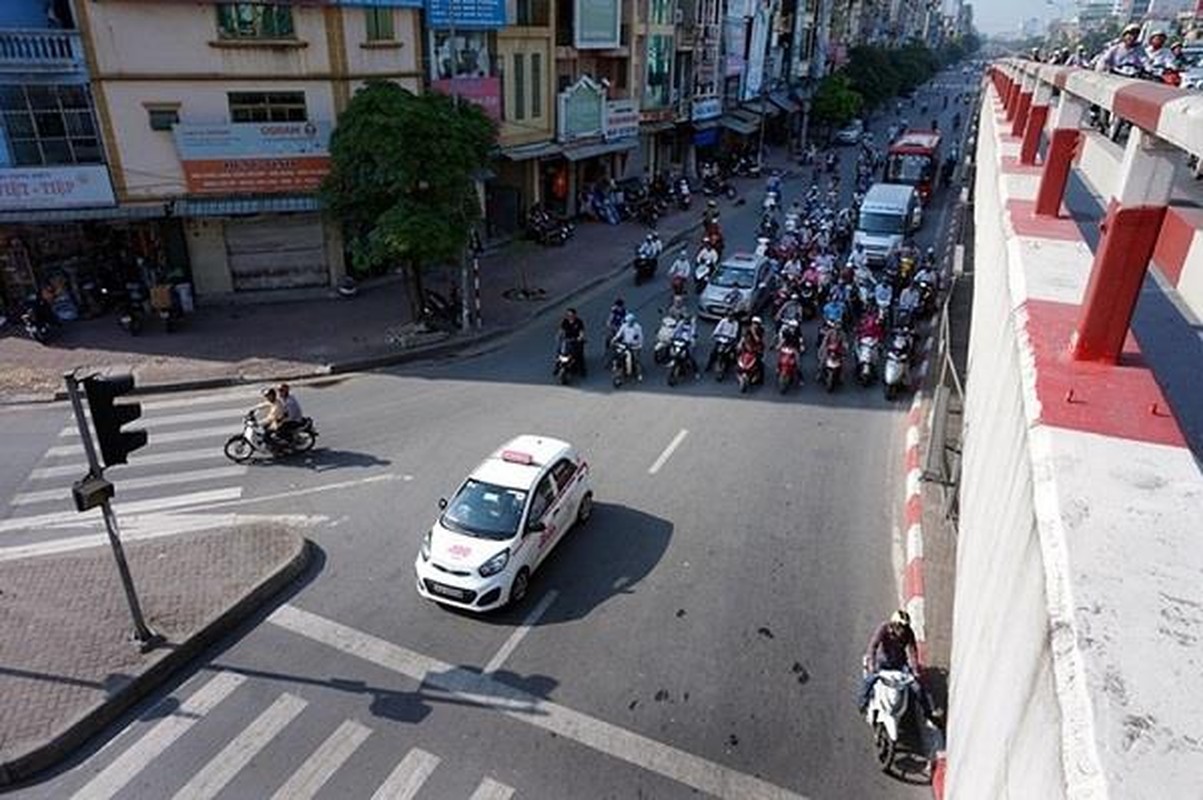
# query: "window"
x,y
534,13
163,118
661,12
519,87
536,85
380,24
267,107
465,55
50,124
254,21
657,90
542,500
563,472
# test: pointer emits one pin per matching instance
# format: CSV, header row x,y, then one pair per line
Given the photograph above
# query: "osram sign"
x,y
254,157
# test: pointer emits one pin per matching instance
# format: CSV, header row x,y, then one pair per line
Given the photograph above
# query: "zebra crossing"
x,y
167,725
182,468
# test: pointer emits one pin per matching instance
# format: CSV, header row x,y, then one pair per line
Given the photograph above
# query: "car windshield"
x,y
908,168
874,222
734,278
485,511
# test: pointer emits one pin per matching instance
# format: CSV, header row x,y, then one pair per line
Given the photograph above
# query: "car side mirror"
x,y
535,527
442,504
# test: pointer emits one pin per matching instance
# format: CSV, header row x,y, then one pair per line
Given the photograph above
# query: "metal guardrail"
x,y
1171,114
38,49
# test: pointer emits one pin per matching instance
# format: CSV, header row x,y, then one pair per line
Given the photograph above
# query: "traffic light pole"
x,y
147,638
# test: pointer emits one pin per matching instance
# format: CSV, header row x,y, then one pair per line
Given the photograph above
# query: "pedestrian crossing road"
x,y
181,469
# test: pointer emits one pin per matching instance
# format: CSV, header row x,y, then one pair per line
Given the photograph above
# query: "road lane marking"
x,y
323,762
486,692
206,498
130,484
175,723
408,777
147,459
668,451
222,768
189,435
325,487
520,632
170,419
490,789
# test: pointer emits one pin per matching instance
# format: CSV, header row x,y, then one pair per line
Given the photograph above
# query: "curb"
x,y
448,347
63,744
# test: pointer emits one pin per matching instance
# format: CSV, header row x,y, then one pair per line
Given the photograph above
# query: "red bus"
x,y
914,159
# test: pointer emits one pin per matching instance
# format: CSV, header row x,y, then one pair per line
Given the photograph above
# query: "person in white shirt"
x,y
1127,52
630,334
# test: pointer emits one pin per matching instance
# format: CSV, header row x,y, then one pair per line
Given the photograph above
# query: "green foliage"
x,y
879,73
835,101
401,178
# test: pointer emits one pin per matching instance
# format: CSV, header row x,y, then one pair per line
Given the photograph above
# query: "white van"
x,y
889,212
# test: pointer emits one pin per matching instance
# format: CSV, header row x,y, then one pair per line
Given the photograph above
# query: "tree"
x,y
836,101
401,178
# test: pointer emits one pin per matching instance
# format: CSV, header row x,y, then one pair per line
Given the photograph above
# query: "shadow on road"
x,y
325,459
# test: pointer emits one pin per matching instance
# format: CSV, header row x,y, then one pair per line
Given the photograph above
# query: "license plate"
x,y
447,591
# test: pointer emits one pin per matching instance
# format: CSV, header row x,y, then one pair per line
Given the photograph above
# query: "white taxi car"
x,y
502,522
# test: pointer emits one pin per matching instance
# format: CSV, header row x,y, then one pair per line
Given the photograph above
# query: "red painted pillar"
x,y
1012,99
1031,134
1061,147
1130,233
1022,105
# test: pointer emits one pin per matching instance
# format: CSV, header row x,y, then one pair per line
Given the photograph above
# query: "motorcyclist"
x,y
892,647
572,330
293,416
1127,52
870,327
686,332
908,301
791,309
630,334
274,416
752,342
831,338
1079,57
1159,56
707,257
725,330
858,258
710,215
789,334
678,309
680,271
618,312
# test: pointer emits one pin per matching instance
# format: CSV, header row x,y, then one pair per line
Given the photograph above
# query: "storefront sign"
x,y
598,24
582,110
622,119
485,92
80,186
254,157
465,13
706,109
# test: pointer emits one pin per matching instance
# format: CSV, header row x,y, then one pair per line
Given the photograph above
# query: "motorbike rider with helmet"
x,y
1079,57
1127,52
274,417
680,271
572,330
630,334
618,313
686,332
725,330
753,342
892,647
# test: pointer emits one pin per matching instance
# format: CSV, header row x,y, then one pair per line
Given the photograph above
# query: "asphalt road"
x,y
702,633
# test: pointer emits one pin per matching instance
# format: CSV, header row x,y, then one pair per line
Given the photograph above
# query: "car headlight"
x,y
495,564
424,551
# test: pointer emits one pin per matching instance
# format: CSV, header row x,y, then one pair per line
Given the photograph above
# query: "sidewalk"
x,y
222,345
67,665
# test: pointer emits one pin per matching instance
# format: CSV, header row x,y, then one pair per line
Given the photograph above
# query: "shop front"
x,y
596,138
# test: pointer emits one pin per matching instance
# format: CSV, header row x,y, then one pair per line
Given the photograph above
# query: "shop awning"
x,y
523,152
786,103
739,124
583,151
245,206
656,127
83,214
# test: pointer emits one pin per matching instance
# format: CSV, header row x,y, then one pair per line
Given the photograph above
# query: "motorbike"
x,y
254,440
645,267
36,320
895,373
684,195
664,337
832,163
724,358
566,364
831,368
927,295
128,301
892,715
808,295
622,364
787,366
701,276
678,284
439,312
749,370
867,348
680,363
546,229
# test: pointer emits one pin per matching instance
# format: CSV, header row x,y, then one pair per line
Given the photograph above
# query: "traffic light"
x,y
108,417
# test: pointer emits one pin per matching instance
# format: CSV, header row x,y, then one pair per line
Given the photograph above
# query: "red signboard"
x,y
290,174
485,92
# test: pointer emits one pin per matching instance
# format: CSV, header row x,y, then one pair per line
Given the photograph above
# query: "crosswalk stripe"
x,y
175,723
490,789
131,484
218,433
242,396
171,419
408,777
222,768
324,762
136,507
140,460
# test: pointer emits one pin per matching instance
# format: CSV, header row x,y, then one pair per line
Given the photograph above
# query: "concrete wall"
x,y
207,254
1003,717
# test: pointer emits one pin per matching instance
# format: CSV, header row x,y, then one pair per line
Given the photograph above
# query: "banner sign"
x,y
79,186
465,13
485,92
254,157
582,110
598,24
706,109
622,119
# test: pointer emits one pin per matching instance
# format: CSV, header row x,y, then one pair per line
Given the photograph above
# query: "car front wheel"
x,y
585,509
520,586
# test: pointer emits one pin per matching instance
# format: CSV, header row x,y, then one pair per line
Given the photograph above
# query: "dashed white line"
x,y
668,451
520,632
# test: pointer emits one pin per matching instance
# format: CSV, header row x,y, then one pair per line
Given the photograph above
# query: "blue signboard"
x,y
382,3
465,13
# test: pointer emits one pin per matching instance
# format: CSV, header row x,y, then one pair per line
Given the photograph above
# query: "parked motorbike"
x,y
867,354
129,304
546,229
896,371
567,363
37,320
622,364
255,441
441,312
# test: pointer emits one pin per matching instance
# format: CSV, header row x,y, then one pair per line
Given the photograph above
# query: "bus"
x,y
914,159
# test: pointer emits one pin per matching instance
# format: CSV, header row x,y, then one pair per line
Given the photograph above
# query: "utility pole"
x,y
465,307
94,490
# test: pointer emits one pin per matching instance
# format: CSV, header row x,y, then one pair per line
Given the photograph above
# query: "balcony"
x,y
40,50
